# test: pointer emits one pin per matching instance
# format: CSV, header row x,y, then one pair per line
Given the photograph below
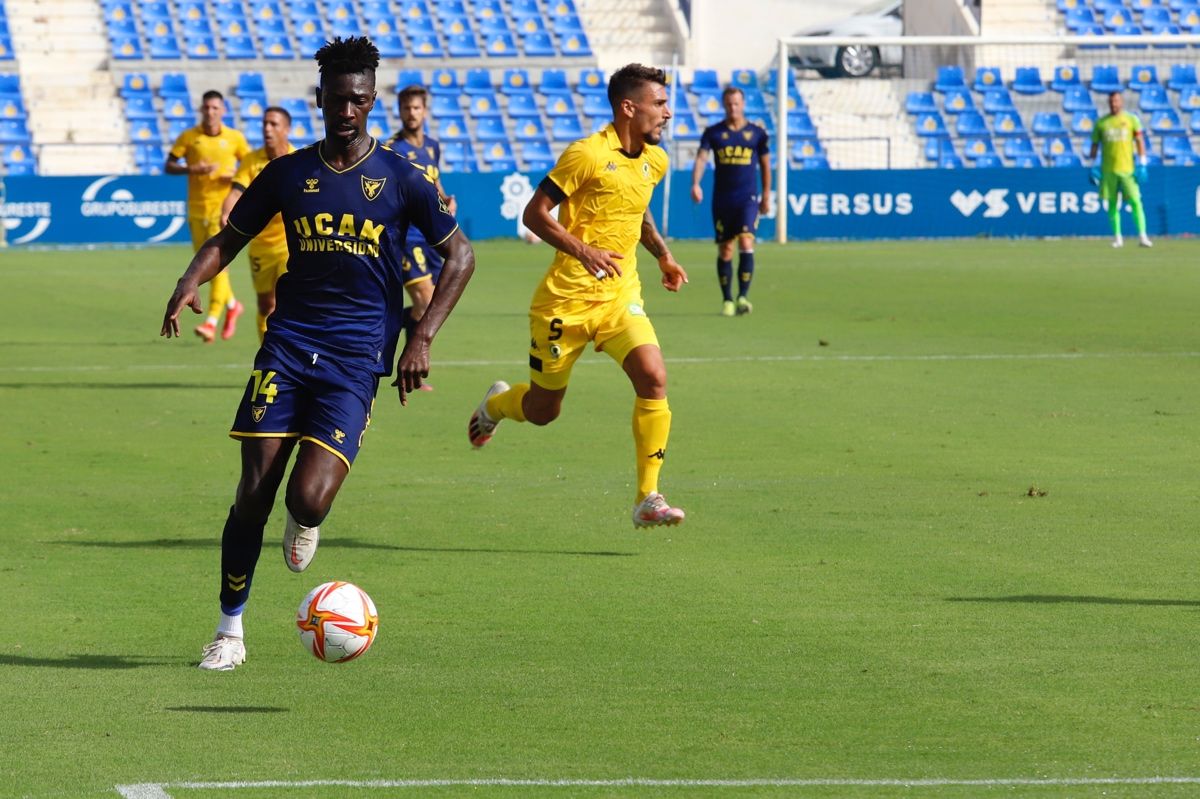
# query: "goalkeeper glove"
x,y
1139,173
1094,176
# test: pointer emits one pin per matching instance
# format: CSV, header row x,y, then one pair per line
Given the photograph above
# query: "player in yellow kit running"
x,y
1115,136
268,250
591,293
209,153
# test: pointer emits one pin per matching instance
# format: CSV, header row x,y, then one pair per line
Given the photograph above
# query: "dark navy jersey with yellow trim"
x,y
343,290
428,156
736,153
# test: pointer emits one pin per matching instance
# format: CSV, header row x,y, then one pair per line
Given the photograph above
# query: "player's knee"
x,y
266,304
541,410
306,508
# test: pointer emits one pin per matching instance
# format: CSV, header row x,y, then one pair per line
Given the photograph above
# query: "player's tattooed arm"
x,y
673,275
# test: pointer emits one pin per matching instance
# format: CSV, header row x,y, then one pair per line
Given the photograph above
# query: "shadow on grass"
x,y
1056,599
86,661
227,709
343,543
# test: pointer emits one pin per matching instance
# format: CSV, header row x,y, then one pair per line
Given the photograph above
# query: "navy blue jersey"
x,y
428,156
343,289
736,153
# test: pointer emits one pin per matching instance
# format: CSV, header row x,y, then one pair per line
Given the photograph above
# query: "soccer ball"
x,y
337,621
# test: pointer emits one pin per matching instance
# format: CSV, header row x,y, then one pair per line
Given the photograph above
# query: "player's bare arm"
x,y
673,275
764,165
177,166
413,364
211,258
697,174
539,219
235,191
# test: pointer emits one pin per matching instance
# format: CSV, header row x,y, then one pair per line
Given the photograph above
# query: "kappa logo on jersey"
x,y
258,412
372,186
993,200
310,186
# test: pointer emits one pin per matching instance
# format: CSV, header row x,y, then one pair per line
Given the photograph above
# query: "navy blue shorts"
x,y
421,261
732,220
296,394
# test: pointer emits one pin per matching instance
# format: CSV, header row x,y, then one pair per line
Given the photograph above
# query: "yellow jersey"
x,y
207,192
607,193
273,236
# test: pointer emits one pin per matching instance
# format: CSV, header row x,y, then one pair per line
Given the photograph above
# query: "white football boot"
x,y
481,428
654,511
299,544
1144,241
224,653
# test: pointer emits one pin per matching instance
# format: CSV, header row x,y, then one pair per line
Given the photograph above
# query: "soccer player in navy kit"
x,y
347,204
738,146
422,264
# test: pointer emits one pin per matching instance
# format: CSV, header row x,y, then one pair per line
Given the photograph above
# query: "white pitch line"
x,y
1027,356
158,790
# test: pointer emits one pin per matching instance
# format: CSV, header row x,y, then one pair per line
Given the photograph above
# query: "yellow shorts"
x,y
203,228
266,267
560,329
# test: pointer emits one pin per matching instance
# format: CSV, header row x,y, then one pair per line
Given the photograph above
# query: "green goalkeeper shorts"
x,y
1111,183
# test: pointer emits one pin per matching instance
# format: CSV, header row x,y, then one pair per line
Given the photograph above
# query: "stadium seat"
x,y
453,128
455,25
998,100
811,148
422,26
447,9
390,45
1194,123
427,45
1154,98
229,9
525,8
1065,77
515,80
1066,161
304,9
488,9
410,77
1028,80
308,27
252,107
478,81
920,103
987,78
949,77
483,105
1054,146
139,107
273,26
193,20
1083,122
1166,121
154,12
202,48
705,80
500,45
1105,79
554,83
956,101
117,12
950,161
595,124
445,103
539,45
1183,76
276,47
1155,15
1079,18
1166,30
126,48
971,123
1008,123
932,124
1048,124
239,47
296,106
1189,99
744,79
462,45
1189,17
13,107
1017,147
934,148
575,44
1116,17
445,80
560,106
597,105
1142,76
375,9
1078,99
529,129
684,127
459,157
175,108
816,162
116,27
377,123
174,85
1091,30
14,131
800,124
233,26
1129,29
566,128
144,130
522,105
756,104
490,129
491,26
977,147
1176,147
709,106
413,10
560,8
176,127
989,162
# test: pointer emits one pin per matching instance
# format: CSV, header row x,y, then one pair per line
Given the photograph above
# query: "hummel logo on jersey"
x,y
338,436
310,186
372,186
661,454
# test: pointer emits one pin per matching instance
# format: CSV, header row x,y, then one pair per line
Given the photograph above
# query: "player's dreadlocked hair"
x,y
347,56
625,82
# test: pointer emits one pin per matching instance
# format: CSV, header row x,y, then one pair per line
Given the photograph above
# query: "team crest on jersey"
x,y
645,169
555,351
372,186
258,412
635,309
724,134
310,186
746,134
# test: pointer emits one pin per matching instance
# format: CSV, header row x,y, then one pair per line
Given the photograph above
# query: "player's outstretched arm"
x,y
543,224
673,275
212,257
698,174
413,365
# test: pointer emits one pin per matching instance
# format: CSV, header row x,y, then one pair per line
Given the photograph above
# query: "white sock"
x,y
232,303
230,626
211,321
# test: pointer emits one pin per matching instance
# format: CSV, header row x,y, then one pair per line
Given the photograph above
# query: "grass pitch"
x,y
941,526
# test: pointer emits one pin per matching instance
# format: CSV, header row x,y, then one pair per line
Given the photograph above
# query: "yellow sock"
x,y
262,327
507,404
651,427
220,293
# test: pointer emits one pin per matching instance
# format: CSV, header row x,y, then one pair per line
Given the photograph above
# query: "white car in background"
x,y
848,60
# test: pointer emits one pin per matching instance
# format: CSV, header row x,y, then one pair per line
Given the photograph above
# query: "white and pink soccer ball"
x,y
337,622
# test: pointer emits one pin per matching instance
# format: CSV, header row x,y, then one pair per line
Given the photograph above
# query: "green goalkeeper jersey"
x,y
1115,133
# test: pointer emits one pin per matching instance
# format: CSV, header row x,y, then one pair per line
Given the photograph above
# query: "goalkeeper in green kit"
x,y
1115,136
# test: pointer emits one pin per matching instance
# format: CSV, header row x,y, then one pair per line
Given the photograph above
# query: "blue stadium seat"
x,y
1189,16
1154,98
174,107
1078,99
815,163
376,28
1155,15
201,48
538,149
175,127
252,107
684,127
191,11
998,100
175,85
154,12
345,28
1105,79
10,85
525,8
483,105
427,45
14,131
118,12
308,27
459,157
1142,76
1189,99
500,45
705,80
422,26
560,8
453,128
709,106
488,9
932,124
1018,146
390,45
575,44
744,79
989,162
1177,146
920,103
1048,124
453,24
1194,123
447,9
196,27
956,101
1065,77
276,47
266,11
1091,30
538,165
1116,17
304,9
554,82
977,147
971,123
1079,18
523,105
539,45
492,26
134,84
160,29
229,9
529,129
144,130
233,26
410,77
807,148
303,130
515,80
800,124
566,128
462,45
17,154
987,78
935,147
377,123
126,48
1028,80
1053,146
125,27
239,46
1083,122
274,26
1165,122
756,104
1008,123
375,9
411,10
296,106
597,104
445,102
1166,30
490,129
950,161
1067,161
528,26
561,105
949,77
1182,76
138,107
1129,29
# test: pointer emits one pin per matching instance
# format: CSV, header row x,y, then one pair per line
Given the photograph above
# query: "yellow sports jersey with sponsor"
x,y
606,194
207,192
273,236
1115,133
